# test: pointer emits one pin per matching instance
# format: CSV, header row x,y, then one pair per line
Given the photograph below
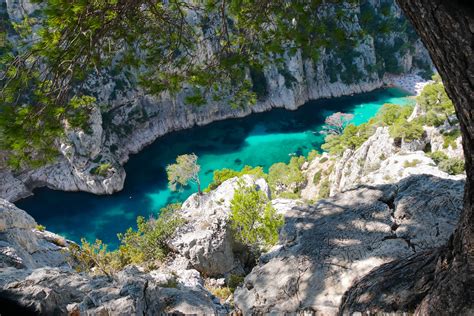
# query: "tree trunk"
x,y
447,30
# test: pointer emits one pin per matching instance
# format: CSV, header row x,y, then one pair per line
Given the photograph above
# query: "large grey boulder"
x,y
54,291
23,246
206,240
379,161
325,247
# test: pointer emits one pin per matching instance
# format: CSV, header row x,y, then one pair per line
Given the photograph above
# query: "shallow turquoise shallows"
x,y
258,140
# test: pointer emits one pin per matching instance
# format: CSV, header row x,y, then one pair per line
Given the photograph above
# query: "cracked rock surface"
x,y
325,247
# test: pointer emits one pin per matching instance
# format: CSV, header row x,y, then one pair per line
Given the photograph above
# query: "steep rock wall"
x,y
131,119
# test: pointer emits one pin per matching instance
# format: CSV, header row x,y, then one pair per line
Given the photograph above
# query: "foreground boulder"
x,y
54,291
325,247
24,246
35,278
206,240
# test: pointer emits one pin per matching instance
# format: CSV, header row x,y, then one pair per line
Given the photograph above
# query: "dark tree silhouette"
x,y
441,282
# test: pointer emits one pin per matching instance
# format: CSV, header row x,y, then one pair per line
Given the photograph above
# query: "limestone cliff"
x,y
131,119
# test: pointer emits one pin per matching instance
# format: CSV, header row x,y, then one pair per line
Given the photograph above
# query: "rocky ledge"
x,y
327,246
324,248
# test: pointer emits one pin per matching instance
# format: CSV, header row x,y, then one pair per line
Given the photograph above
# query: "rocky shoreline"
x,y
129,119
323,248
72,171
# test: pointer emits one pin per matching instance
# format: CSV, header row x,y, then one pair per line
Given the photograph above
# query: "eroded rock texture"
x,y
327,246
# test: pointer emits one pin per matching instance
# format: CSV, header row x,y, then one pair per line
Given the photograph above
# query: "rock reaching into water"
x,y
22,245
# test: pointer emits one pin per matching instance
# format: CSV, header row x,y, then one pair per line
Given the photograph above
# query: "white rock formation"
x,y
206,241
22,245
135,120
379,161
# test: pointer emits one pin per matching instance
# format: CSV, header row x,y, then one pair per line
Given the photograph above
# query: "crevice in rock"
x,y
390,202
145,301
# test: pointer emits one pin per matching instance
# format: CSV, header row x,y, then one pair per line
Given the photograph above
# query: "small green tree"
x,y
434,100
253,218
89,256
148,242
184,171
287,175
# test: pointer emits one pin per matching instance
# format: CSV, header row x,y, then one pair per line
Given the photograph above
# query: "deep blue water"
x,y
258,140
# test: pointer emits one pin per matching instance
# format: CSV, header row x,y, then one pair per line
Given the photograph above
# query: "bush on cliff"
x,y
449,165
225,174
254,221
352,137
146,244
452,166
434,100
286,177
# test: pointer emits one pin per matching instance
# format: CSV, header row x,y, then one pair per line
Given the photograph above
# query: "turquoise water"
x,y
258,140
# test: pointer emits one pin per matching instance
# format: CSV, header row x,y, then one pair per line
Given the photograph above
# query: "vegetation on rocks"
x,y
148,242
253,219
222,175
352,137
287,179
102,169
145,245
446,164
434,101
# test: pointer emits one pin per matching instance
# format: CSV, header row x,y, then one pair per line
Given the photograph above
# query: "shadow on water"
x,y
260,139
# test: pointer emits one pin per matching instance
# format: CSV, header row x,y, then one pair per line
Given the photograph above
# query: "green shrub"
x,y
452,166
317,177
390,114
323,159
449,139
352,137
408,131
324,189
433,98
225,174
40,228
93,257
148,242
413,163
235,281
253,219
286,175
222,293
431,118
102,169
312,155
438,156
